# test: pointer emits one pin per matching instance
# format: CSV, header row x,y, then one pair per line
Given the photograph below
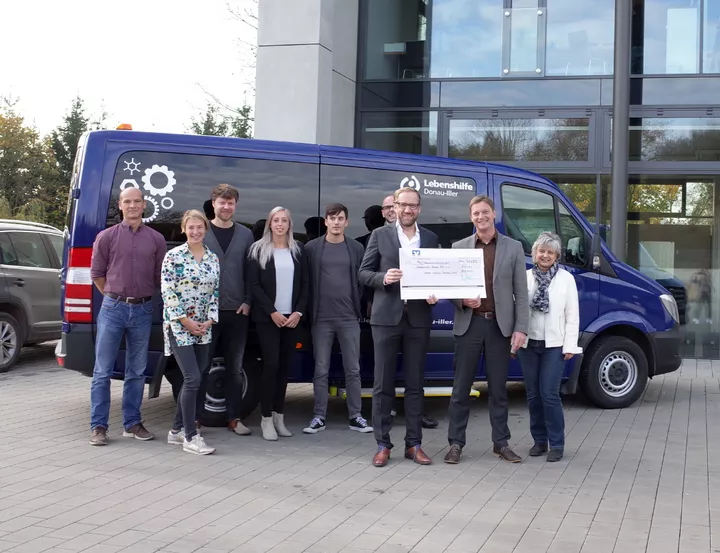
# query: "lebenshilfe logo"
x,y
436,187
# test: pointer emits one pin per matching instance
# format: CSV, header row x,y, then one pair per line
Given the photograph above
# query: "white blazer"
x,y
562,322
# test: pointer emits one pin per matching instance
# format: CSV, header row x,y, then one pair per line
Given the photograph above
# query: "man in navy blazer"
x,y
398,325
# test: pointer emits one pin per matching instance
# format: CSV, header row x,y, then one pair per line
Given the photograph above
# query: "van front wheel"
x,y
615,372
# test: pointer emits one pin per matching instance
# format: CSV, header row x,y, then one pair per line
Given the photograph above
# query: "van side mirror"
x,y
596,252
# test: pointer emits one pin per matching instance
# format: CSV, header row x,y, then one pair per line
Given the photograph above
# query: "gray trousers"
x,y
193,362
483,336
348,335
389,341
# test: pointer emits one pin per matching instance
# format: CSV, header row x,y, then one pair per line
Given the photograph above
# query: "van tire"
x,y
10,333
614,373
214,411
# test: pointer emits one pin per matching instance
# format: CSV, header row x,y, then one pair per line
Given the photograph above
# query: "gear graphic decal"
x,y
129,182
169,175
167,203
156,209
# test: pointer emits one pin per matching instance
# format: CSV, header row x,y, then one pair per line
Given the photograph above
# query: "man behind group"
x,y
231,241
333,264
126,263
398,324
494,325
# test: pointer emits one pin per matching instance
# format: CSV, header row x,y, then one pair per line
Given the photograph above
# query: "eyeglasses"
x,y
411,207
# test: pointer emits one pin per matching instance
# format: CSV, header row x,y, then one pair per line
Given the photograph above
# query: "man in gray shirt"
x,y
334,310
230,241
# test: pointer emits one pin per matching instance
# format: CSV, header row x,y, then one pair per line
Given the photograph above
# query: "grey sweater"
x,y
234,287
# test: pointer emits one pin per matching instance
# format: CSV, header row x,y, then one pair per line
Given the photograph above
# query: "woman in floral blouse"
x,y
190,292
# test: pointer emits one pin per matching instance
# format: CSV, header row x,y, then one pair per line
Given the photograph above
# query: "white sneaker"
x,y
197,446
268,429
176,439
279,424
239,428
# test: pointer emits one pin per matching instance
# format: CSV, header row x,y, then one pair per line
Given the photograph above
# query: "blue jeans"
x,y
542,370
115,319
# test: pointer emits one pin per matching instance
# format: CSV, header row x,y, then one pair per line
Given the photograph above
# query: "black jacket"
x,y
263,285
313,253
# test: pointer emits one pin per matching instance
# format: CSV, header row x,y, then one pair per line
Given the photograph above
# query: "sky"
x,y
143,62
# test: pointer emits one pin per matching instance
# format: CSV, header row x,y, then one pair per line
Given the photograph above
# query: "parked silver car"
x,y
30,261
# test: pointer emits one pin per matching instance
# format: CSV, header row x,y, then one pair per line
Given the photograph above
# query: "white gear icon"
x,y
129,182
167,203
156,209
170,175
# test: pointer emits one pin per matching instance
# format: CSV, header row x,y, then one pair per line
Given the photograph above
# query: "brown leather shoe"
x,y
99,436
418,455
453,456
507,454
381,457
139,432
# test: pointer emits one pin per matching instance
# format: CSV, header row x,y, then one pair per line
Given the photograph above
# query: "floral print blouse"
x,y
189,289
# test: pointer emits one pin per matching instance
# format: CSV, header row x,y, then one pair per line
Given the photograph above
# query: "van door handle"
x,y
19,282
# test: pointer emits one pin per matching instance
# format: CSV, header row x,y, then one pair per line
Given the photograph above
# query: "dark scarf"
x,y
541,300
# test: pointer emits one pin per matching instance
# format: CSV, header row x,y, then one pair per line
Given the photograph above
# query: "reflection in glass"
x,y
527,213
405,94
411,132
664,139
519,139
711,49
523,39
466,38
521,93
580,35
396,39
670,37
580,190
674,91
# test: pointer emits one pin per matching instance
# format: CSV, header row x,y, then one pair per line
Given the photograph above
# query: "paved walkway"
x,y
638,479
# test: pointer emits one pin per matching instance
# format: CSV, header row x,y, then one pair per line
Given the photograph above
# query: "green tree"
x,y
220,120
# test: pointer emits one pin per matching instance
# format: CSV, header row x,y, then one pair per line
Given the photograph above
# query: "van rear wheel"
x,y
615,372
215,408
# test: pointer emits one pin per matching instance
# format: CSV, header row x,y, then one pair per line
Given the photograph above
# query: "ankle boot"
x,y
279,423
268,429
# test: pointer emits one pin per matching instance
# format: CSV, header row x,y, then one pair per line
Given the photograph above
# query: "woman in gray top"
x,y
279,281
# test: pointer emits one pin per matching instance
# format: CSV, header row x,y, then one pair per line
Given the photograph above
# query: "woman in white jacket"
x,y
552,340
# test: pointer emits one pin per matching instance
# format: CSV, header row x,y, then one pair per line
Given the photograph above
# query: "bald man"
x,y
125,267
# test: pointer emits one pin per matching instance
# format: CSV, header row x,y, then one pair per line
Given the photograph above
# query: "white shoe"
x,y
279,424
176,439
268,429
197,446
239,428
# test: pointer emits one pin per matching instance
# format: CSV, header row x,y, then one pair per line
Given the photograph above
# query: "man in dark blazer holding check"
x,y
398,324
494,325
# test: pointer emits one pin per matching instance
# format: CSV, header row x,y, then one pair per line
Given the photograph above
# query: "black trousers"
x,y
277,346
483,336
229,339
389,341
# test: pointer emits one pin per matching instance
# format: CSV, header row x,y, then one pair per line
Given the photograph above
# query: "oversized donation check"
x,y
444,273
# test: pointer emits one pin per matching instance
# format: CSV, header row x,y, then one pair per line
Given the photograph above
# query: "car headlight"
x,y
671,306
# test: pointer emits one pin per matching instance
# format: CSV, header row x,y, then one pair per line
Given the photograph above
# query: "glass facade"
x,y
530,83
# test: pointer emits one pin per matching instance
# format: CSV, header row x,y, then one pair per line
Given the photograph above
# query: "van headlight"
x,y
671,306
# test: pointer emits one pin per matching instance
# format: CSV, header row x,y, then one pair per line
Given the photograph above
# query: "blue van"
x,y
628,322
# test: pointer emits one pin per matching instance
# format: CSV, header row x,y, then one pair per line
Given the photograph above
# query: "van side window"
x,y
527,213
173,183
444,207
7,252
573,238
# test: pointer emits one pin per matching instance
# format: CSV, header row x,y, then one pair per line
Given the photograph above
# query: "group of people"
x,y
222,277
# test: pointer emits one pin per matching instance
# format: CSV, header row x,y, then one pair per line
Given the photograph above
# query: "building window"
x,y
516,139
676,37
411,132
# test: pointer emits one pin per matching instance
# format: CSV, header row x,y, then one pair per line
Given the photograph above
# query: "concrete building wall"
x,y
306,71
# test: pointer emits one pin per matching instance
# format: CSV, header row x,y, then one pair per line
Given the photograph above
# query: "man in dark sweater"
x,y
230,241
334,311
